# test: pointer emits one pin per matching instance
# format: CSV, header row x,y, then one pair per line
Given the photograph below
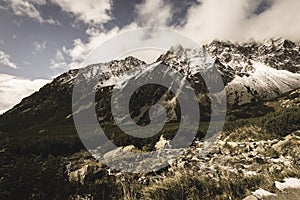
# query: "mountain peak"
x,y
279,43
177,49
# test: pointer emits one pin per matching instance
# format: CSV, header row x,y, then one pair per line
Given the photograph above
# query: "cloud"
x,y
27,8
26,63
39,2
235,20
146,15
13,89
88,11
39,46
5,60
58,61
152,13
238,20
80,50
281,20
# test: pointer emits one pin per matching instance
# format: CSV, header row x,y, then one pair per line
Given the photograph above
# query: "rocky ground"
x,y
272,160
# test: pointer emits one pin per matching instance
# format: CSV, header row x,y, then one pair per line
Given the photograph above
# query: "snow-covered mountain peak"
x,y
252,71
279,43
277,53
177,50
109,73
263,83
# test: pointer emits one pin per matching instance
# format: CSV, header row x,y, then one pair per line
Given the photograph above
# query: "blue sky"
x,y
40,39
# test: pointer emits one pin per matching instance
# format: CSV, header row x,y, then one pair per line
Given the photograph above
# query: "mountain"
x,y
52,104
251,71
259,145
262,71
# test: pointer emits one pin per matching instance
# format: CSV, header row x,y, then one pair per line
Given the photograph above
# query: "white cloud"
x,y
39,46
220,19
13,89
209,19
152,13
281,20
5,60
88,11
146,15
80,50
27,8
236,20
58,61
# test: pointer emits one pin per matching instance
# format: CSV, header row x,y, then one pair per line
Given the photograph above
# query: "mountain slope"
x,y
251,72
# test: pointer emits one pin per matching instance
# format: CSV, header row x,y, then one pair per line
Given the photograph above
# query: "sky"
x,y
40,39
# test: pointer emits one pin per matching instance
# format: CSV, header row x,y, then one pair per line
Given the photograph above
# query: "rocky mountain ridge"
x,y
251,72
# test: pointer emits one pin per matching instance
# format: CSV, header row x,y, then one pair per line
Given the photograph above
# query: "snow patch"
x,y
261,193
265,82
288,183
